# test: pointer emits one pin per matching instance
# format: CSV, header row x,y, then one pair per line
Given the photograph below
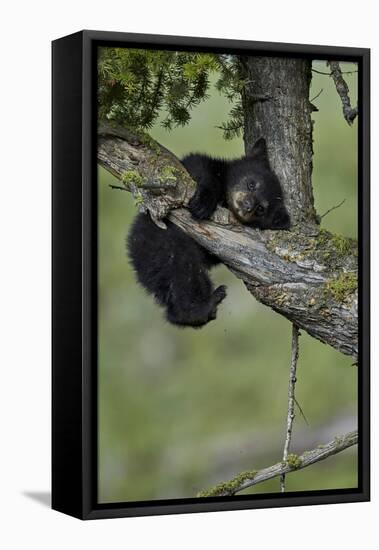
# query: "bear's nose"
x,y
248,206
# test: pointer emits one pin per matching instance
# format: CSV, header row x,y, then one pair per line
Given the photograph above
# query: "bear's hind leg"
x,y
189,309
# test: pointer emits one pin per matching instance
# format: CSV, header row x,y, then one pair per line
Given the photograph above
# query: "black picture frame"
x,y
74,271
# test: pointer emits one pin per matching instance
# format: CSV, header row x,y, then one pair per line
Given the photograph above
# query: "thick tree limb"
x,y
293,463
306,275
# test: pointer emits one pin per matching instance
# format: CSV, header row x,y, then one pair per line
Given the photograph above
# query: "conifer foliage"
x,y
136,86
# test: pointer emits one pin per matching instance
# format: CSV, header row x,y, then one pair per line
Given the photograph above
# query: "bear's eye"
x,y
251,185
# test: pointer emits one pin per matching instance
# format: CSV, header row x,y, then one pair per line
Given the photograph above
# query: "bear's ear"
x,y
281,219
259,150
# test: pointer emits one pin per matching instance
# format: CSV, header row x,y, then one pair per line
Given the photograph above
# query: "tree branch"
x,y
330,74
293,462
332,208
307,275
343,91
291,399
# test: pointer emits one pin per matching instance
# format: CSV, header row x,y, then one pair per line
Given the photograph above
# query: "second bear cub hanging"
x,y
171,265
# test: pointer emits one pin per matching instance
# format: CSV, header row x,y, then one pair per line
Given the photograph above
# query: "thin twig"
x,y
293,463
333,208
318,95
330,74
291,398
301,412
320,72
118,187
349,72
343,91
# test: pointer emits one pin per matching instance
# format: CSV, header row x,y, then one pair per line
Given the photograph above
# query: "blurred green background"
x,y
182,409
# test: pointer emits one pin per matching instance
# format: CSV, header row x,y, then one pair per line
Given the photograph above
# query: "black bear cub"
x,y
172,266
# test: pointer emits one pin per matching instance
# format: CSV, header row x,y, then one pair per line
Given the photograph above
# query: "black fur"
x,y
171,265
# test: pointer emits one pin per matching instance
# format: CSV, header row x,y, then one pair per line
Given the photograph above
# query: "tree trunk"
x,y
276,106
306,275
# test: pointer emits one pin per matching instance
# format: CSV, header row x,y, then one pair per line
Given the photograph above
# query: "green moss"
x,y
138,198
325,248
334,243
331,249
132,177
168,174
228,487
293,461
341,287
147,140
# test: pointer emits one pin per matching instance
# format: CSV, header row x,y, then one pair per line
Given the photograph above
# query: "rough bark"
x,y
307,276
276,106
342,88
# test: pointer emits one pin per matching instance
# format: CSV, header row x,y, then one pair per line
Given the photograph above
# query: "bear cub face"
x,y
253,191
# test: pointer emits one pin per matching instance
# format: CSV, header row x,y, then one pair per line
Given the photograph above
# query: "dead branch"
x,y
293,463
291,399
343,91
